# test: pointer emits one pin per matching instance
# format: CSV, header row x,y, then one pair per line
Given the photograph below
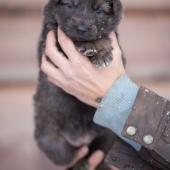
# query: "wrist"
x,y
107,87
122,92
116,106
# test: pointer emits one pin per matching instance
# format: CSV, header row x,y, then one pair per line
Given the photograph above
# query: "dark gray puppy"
x,y
63,123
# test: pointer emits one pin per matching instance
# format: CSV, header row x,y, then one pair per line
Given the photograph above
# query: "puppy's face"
x,y
85,20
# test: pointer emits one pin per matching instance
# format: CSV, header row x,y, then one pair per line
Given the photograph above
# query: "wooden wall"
x,y
145,38
144,32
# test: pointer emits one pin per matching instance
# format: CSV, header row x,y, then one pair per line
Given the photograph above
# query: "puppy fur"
x,y
62,123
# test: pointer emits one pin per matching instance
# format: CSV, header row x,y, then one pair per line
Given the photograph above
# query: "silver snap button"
x,y
100,106
148,139
131,130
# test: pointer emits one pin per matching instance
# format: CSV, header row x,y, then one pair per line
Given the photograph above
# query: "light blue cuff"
x,y
116,106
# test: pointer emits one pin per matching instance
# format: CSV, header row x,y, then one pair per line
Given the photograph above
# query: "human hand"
x,y
81,153
94,160
77,75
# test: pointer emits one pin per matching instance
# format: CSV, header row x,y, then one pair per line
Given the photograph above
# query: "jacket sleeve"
x,y
149,125
140,117
116,106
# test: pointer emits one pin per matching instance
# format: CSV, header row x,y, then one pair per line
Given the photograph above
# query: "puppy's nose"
x,y
82,29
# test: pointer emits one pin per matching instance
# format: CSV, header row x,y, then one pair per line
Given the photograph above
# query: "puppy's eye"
x,y
99,12
68,5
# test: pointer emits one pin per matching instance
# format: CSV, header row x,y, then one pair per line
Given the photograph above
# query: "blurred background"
x,y
145,38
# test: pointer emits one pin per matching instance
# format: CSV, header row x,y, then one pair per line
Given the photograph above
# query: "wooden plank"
x,y
18,46
129,4
16,131
145,40
147,4
16,128
32,4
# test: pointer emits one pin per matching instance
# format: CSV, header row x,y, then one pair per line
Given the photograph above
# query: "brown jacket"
x,y
148,125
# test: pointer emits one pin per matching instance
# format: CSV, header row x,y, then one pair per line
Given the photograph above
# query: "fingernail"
x,y
99,155
85,150
60,30
96,158
51,33
111,34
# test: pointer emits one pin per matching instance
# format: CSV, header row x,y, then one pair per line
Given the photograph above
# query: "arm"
x,y
151,116
140,117
89,83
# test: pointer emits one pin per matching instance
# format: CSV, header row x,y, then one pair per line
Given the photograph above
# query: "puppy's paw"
x,y
98,55
88,52
102,59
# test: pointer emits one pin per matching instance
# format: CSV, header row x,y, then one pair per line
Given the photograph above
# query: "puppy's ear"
x,y
117,8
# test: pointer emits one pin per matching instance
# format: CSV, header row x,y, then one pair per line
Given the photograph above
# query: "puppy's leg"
x,y
48,134
103,143
88,49
103,57
99,52
57,149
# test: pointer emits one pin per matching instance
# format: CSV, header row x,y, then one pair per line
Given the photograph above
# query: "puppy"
x,y
62,123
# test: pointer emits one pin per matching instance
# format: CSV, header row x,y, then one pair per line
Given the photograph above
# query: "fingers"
x,y
115,44
114,41
95,160
62,39
116,52
52,52
51,40
51,71
79,155
68,46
